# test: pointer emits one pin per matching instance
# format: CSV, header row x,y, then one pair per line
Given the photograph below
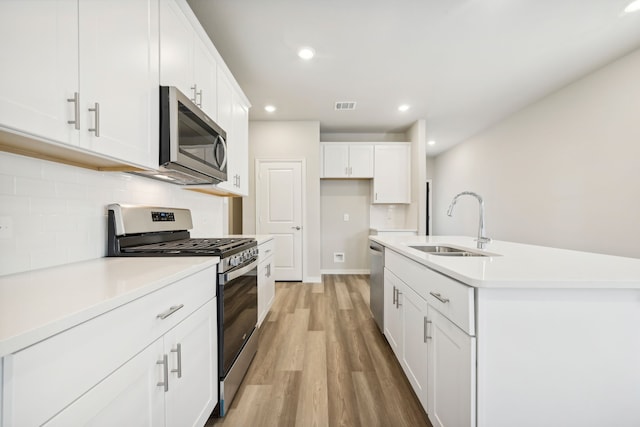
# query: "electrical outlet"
x,y
338,257
6,227
346,217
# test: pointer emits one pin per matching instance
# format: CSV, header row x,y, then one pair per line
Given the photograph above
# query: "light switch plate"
x,y
346,217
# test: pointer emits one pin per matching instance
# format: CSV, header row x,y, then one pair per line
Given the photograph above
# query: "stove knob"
x,y
234,261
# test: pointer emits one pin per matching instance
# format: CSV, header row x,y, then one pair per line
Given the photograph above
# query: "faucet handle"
x,y
482,241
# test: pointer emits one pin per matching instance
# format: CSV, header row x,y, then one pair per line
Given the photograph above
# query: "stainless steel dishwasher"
x,y
376,282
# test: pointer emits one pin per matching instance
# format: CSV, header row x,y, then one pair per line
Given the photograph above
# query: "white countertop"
x,y
41,303
394,229
519,266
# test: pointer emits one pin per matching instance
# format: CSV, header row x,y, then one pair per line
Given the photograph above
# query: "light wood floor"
x,y
323,362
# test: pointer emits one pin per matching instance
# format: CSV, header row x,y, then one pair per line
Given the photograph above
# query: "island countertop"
x,y
520,266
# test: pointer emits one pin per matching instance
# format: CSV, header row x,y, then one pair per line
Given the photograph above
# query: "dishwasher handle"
x,y
375,249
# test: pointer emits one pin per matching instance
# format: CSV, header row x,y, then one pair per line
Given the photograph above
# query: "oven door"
x,y
237,311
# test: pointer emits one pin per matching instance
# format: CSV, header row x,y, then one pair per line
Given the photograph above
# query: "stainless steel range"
x,y
157,231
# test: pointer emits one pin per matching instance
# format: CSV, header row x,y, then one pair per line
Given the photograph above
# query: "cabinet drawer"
x,y
436,288
266,249
43,379
453,299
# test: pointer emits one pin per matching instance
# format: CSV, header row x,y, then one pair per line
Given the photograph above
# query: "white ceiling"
x,y
462,65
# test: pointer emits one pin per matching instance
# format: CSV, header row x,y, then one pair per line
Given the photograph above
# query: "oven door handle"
x,y
227,277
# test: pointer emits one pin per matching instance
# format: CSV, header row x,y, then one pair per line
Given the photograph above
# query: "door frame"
x,y
303,187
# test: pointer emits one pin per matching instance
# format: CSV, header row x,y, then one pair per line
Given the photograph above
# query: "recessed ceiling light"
x,y
634,6
270,108
432,142
403,107
306,53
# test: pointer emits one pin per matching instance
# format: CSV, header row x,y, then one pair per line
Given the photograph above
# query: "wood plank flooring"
x,y
322,361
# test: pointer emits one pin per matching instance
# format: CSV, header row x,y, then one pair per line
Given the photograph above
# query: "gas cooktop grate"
x,y
214,246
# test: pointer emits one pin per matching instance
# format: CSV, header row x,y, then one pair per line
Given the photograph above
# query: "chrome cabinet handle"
x,y
76,111
296,228
169,312
96,128
440,297
394,296
426,329
194,88
376,196
178,351
398,299
165,371
199,93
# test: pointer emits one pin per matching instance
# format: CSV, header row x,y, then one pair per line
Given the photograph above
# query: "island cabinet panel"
x,y
451,374
452,298
558,357
392,314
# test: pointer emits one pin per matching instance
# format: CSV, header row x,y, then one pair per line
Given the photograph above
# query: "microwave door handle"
x,y
237,273
220,140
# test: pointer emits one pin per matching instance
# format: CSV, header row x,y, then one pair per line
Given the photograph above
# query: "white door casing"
x,y
279,207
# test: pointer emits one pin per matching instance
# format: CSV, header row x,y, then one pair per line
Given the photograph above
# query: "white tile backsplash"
x,y
59,212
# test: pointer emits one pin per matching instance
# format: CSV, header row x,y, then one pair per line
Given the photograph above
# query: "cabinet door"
x,y
392,312
225,101
392,174
176,48
414,340
361,161
266,288
335,159
128,397
205,78
193,373
39,45
451,374
119,73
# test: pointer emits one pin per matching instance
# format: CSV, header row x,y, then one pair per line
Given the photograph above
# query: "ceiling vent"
x,y
345,105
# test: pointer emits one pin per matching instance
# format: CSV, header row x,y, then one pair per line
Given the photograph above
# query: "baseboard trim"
x,y
313,279
349,271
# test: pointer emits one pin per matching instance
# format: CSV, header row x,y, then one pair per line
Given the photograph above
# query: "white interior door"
x,y
279,213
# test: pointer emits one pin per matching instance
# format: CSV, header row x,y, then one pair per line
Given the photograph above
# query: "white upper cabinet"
x,y
233,117
392,173
343,160
39,68
119,79
185,60
82,73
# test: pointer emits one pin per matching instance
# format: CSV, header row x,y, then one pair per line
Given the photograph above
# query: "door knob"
x,y
296,228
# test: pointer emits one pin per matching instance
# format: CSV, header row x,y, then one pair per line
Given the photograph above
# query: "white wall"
x,y
340,197
563,172
289,141
59,212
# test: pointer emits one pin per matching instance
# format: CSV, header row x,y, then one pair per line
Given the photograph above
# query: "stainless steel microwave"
x,y
193,148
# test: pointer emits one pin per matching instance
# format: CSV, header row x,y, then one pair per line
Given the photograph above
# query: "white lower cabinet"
x,y
266,279
392,315
451,374
405,329
173,382
112,369
437,355
130,396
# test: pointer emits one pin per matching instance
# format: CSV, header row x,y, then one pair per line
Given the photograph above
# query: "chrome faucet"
x,y
482,239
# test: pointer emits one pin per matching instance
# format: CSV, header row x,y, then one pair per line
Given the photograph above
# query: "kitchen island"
x,y
524,336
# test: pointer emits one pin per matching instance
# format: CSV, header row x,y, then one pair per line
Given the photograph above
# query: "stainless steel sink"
x,y
445,251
